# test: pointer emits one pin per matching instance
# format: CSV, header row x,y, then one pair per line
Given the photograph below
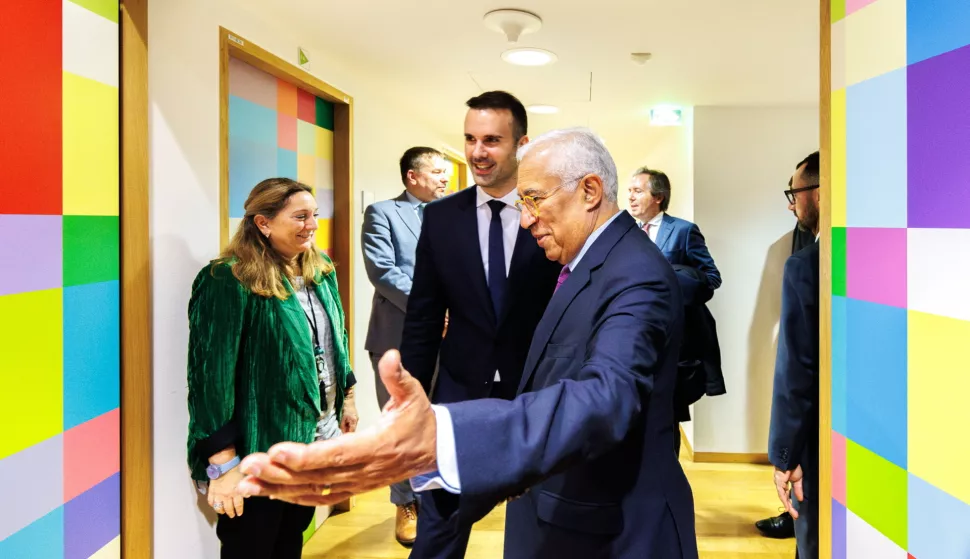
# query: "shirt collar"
x,y
482,198
655,220
411,198
817,235
592,239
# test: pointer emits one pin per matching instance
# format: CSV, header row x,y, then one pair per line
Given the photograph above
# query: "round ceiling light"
x,y
543,109
529,57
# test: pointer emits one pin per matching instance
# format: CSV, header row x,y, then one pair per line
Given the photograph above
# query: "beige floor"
x,y
728,499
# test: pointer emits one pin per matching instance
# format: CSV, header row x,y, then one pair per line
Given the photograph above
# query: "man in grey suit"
x,y
389,239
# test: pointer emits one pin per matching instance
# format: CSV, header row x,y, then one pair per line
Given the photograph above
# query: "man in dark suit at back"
x,y
683,245
475,262
783,525
794,435
679,240
584,449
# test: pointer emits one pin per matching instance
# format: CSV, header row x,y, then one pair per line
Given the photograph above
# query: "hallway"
x,y
728,498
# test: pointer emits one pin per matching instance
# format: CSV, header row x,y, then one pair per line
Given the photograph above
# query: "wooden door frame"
x,y
234,45
136,280
825,281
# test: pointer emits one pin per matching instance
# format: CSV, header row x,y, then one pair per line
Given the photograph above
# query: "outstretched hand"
x,y
402,445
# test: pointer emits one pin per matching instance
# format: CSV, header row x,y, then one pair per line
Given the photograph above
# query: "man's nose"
x,y
526,219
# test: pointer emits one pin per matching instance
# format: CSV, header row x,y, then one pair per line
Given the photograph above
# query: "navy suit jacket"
x,y
590,437
793,436
449,275
682,243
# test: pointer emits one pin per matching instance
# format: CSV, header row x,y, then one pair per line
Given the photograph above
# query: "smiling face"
x,y
292,230
643,205
561,219
490,149
429,181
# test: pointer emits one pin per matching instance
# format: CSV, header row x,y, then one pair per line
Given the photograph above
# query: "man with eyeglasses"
x,y
783,525
583,451
793,434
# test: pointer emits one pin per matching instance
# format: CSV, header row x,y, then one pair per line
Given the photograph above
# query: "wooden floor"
x,y
728,499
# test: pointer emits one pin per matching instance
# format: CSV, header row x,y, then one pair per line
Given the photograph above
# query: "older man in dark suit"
x,y
585,446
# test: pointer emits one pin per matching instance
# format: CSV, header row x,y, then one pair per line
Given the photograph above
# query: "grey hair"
x,y
579,152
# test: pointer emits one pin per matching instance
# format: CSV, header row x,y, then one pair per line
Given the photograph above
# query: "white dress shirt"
x,y
654,224
510,229
510,224
447,475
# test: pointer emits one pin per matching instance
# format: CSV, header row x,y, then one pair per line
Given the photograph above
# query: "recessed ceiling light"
x,y
543,109
529,57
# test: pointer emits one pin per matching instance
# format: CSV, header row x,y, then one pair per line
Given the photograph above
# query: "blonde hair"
x,y
255,263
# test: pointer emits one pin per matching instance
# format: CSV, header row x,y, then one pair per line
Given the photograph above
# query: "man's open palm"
x,y
402,445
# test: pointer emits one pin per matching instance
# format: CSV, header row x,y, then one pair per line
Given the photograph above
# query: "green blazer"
x,y
252,376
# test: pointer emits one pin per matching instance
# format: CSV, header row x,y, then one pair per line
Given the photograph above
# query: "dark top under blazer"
x,y
449,275
591,434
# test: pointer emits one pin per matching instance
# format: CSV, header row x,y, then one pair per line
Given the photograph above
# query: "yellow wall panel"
x,y
90,145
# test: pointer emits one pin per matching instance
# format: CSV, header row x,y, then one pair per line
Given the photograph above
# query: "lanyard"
x,y
311,318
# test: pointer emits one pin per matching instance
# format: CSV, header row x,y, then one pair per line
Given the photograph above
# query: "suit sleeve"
x,y
699,257
796,369
379,261
425,316
216,309
504,447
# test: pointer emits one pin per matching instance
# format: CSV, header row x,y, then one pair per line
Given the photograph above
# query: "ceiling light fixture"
x,y
512,23
543,109
529,57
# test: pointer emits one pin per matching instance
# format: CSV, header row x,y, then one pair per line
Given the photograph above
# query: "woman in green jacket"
x,y
268,362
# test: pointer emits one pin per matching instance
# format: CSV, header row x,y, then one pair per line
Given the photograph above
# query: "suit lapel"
x,y
408,215
468,225
525,247
665,230
578,280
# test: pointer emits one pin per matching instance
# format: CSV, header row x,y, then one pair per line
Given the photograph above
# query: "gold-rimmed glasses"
x,y
532,202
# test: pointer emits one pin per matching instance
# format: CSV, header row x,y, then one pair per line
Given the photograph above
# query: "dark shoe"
x,y
781,526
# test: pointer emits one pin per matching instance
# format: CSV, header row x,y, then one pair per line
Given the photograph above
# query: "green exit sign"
x,y
666,116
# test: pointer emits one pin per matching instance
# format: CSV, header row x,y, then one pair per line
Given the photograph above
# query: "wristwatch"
x,y
215,471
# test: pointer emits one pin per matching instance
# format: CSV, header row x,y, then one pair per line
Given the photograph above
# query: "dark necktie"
x,y
562,277
421,212
496,258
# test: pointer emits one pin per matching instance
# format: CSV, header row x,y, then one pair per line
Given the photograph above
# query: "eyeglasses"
x,y
791,192
532,202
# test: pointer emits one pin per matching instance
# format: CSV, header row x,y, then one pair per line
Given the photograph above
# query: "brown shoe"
x,y
406,524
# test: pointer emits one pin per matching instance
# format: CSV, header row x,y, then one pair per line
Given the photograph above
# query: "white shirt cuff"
x,y
446,477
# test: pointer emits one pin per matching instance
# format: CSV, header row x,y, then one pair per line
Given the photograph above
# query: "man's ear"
x,y
592,186
411,177
523,141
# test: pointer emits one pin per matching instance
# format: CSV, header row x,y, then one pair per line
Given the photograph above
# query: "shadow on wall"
x,y
763,335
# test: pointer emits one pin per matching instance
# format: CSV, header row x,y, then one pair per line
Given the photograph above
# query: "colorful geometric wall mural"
x,y
278,130
900,259
59,293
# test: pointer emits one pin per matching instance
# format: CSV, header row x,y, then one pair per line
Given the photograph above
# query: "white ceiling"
x,y
438,53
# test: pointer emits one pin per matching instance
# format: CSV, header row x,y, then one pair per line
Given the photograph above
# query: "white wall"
x,y
743,158
184,147
665,148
